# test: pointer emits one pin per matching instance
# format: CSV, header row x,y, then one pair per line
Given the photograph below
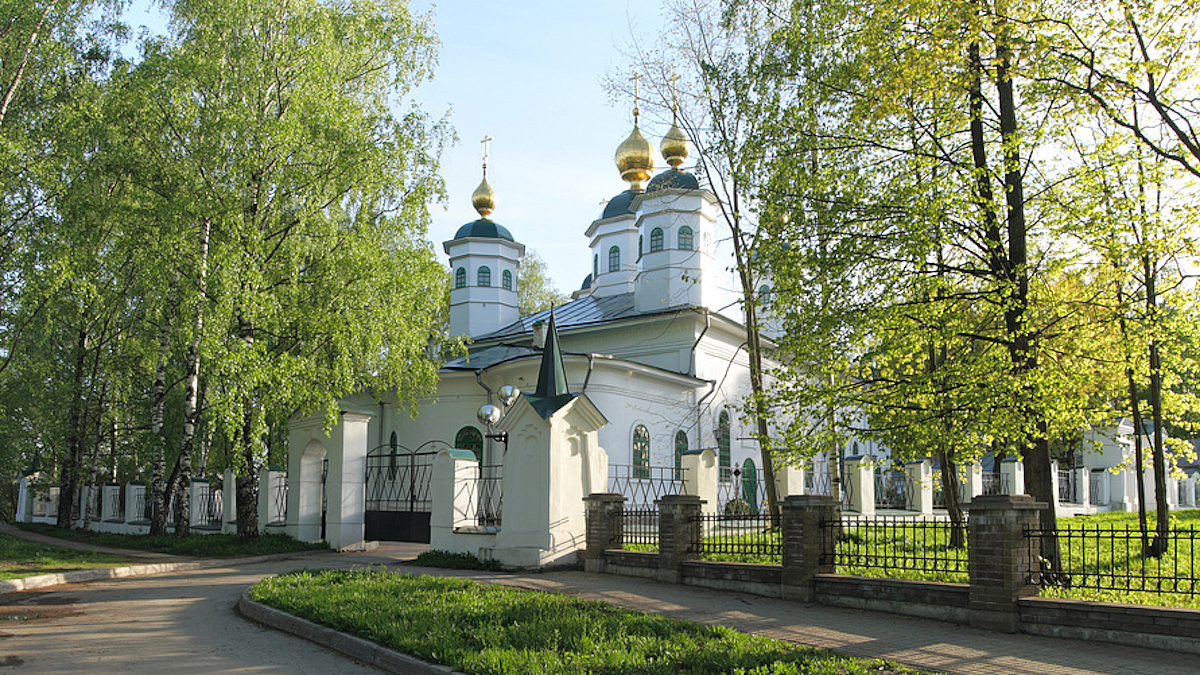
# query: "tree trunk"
x,y
247,486
69,479
1159,546
158,486
1136,411
192,393
1036,451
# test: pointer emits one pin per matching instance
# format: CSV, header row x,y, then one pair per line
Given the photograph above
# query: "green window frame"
x,y
641,452
656,240
724,454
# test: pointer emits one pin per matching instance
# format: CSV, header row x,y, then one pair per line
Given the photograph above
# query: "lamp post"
x,y
490,415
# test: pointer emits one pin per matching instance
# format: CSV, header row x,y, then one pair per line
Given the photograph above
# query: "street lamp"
x,y
490,415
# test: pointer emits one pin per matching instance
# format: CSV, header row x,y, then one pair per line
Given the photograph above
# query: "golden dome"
x,y
484,198
635,158
675,146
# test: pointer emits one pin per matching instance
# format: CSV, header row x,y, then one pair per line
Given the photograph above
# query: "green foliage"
x,y
494,630
535,292
456,561
20,558
199,546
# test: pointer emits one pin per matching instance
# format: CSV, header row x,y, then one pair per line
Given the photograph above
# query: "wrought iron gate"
x,y
398,501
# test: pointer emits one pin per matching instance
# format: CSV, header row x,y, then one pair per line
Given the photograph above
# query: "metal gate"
x,y
398,503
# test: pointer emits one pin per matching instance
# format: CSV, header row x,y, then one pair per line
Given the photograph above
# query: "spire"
x,y
675,142
635,155
552,391
484,197
552,376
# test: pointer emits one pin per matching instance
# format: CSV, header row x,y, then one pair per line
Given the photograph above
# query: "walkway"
x,y
185,622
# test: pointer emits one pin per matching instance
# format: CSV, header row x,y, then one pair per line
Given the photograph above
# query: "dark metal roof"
x,y
673,178
620,205
483,228
486,357
582,312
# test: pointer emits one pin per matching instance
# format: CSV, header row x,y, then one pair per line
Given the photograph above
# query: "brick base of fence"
x,y
999,597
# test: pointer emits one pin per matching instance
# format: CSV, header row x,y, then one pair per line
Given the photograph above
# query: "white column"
x,y
451,494
700,476
344,486
789,480
920,479
860,482
132,490
1054,483
24,512
1012,471
229,502
266,497
972,481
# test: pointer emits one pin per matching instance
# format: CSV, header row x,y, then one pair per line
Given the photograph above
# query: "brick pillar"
x,y
1000,558
605,528
679,534
806,551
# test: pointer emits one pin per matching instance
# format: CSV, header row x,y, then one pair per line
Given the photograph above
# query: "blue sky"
x,y
528,74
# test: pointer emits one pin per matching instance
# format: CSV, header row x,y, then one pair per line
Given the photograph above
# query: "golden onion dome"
x,y
635,158
484,198
675,146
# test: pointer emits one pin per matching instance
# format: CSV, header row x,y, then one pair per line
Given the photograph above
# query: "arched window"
x,y
506,280
483,277
750,485
764,295
614,259
595,266
469,438
460,277
641,452
656,239
640,247
681,446
723,455
686,238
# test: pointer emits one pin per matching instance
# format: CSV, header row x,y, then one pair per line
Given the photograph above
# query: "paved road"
x,y
184,623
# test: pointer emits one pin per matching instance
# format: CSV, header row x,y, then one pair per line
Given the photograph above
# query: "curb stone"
x,y
84,576
356,648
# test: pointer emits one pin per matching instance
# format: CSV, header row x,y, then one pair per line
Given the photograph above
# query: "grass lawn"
x,y
482,629
196,545
20,558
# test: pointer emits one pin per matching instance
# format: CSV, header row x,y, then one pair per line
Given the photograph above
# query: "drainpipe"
x,y
479,378
587,378
712,384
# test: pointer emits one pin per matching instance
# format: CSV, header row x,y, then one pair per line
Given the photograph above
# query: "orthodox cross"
x,y
486,140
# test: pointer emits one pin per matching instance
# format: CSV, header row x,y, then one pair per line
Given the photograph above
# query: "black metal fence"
x,y
1068,487
210,506
642,485
743,538
898,544
486,494
278,513
639,528
893,490
1111,559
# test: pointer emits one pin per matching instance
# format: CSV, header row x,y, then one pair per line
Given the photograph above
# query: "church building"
x,y
643,339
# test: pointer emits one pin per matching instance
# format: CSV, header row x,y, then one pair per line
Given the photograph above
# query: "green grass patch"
x,y
482,629
20,558
456,561
196,545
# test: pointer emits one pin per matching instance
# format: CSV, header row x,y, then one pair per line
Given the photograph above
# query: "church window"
x,y
764,295
686,238
681,446
750,485
614,259
595,266
641,452
469,438
656,239
723,455
639,247
460,277
484,277
506,280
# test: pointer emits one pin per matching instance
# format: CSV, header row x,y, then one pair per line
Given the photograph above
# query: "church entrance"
x,y
398,500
